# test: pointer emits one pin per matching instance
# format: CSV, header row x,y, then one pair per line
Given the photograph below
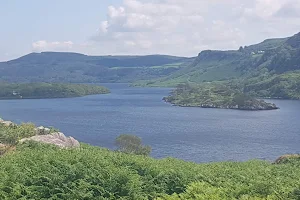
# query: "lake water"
x,y
192,134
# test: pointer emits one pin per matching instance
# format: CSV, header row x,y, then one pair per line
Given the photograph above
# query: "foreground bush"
x,y
10,135
36,171
132,144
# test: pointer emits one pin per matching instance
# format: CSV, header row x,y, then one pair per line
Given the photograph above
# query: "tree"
x,y
241,49
240,99
132,144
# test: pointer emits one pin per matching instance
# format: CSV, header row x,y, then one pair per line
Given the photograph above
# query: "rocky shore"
x,y
251,105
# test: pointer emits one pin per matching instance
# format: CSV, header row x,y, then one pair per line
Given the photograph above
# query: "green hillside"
x,y
285,86
272,56
79,68
268,69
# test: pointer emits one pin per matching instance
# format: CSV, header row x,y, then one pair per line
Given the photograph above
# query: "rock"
x,y
58,139
74,142
47,131
39,130
283,159
6,123
42,130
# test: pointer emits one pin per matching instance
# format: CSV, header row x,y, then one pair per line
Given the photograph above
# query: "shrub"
x,y
132,144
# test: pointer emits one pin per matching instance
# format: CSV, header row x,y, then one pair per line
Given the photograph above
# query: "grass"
x,y
173,65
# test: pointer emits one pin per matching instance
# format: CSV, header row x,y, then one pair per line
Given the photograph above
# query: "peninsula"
x,y
48,90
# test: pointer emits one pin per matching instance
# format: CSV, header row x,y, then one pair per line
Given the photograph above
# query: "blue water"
x,y
192,134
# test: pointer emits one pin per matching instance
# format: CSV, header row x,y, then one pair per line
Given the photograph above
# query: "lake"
x,y
192,134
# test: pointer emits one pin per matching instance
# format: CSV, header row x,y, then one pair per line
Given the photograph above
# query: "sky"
x,y
140,27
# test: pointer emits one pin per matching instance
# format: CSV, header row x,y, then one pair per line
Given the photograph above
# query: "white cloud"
x,y
290,9
43,45
185,28
104,26
267,8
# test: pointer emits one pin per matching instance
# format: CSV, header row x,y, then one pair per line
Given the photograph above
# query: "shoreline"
x,y
273,107
41,98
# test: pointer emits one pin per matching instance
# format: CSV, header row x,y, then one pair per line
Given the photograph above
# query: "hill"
x,y
274,56
267,69
38,171
79,68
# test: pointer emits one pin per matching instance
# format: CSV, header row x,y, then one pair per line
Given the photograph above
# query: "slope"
x,y
74,67
271,57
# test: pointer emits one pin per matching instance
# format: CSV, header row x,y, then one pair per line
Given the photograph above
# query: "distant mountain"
x,y
268,69
271,57
74,67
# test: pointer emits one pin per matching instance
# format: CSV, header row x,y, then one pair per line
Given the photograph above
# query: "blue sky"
x,y
24,22
177,27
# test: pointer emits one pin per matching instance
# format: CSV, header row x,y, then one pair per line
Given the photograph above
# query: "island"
x,y
48,90
211,95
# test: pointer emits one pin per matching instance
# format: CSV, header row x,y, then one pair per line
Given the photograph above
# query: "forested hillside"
x,y
273,56
48,90
269,69
79,68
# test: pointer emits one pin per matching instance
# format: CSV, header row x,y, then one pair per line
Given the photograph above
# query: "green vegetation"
x,y
273,56
48,90
269,69
285,86
212,95
172,65
221,79
10,135
79,68
132,144
38,171
288,159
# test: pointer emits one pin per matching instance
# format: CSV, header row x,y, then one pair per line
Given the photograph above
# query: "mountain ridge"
x,y
272,56
79,68
267,69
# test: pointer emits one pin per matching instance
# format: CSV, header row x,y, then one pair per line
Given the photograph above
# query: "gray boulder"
x,y
42,130
58,139
6,123
47,131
